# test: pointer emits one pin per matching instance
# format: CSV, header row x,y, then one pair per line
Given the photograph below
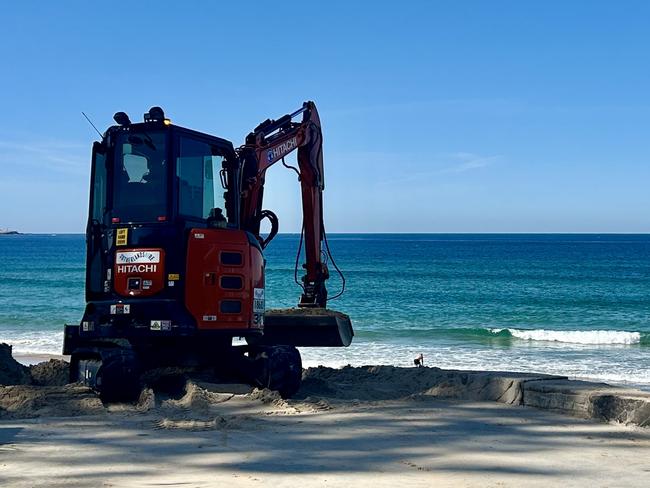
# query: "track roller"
x,y
115,377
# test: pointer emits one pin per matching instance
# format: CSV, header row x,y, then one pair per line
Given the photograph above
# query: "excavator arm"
x,y
270,142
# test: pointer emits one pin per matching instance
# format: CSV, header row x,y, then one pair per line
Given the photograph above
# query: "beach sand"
x,y
352,427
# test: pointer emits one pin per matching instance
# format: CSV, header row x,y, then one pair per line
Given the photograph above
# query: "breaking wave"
x,y
504,335
596,337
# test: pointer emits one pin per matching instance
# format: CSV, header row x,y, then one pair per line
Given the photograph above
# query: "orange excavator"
x,y
175,257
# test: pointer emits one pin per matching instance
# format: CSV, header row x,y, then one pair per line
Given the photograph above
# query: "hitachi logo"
x,y
282,149
136,268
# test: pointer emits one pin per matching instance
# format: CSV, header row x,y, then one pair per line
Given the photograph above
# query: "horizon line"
x,y
410,233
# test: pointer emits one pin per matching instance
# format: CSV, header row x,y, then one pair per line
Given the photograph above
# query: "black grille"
x,y
230,306
232,258
232,282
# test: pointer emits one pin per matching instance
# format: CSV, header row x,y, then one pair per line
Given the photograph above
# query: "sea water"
x,y
574,305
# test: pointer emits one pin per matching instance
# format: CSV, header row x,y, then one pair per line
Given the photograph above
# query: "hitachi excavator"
x,y
175,258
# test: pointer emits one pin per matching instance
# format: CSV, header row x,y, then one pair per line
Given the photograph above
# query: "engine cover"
x,y
224,288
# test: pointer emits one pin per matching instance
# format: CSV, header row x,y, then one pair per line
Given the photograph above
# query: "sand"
x,y
372,426
211,436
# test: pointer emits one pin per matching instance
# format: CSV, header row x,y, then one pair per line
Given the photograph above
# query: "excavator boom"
x,y
269,143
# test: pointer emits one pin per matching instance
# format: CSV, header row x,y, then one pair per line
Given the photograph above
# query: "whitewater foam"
x,y
575,336
34,342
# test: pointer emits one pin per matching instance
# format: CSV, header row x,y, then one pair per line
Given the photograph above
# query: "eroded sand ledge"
x,y
583,399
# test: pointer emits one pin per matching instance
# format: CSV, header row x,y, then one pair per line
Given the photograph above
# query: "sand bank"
x,y
375,425
216,434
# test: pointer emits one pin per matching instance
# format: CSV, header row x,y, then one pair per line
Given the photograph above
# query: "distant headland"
x,y
7,232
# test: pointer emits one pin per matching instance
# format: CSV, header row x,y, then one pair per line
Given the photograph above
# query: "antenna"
x,y
93,125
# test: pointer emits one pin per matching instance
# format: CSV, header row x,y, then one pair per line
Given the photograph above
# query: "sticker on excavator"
x,y
137,261
122,237
120,309
282,150
258,320
137,257
258,300
160,325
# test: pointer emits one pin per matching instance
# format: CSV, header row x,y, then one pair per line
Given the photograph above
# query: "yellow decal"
x,y
121,237
173,277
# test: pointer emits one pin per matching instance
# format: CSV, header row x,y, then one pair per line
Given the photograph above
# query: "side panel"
x,y
224,275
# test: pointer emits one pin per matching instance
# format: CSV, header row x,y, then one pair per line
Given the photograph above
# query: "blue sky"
x,y
437,116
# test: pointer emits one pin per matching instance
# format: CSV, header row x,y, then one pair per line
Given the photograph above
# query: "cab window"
x,y
140,177
197,169
99,184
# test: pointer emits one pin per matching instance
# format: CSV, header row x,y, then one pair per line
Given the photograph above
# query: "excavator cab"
x,y
175,259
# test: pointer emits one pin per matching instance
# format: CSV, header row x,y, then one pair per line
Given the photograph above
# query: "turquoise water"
x,y
577,305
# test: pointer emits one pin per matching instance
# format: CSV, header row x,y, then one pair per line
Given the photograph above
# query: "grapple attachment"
x,y
307,327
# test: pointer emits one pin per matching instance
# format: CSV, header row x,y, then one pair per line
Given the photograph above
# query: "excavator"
x,y
175,257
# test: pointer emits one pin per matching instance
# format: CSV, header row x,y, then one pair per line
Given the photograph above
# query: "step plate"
x,y
307,327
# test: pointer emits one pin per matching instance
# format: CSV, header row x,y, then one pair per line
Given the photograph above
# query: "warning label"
x,y
258,300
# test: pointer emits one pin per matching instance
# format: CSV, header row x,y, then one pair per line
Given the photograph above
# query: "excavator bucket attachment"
x,y
307,327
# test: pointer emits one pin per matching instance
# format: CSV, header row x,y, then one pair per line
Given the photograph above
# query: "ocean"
x,y
574,305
